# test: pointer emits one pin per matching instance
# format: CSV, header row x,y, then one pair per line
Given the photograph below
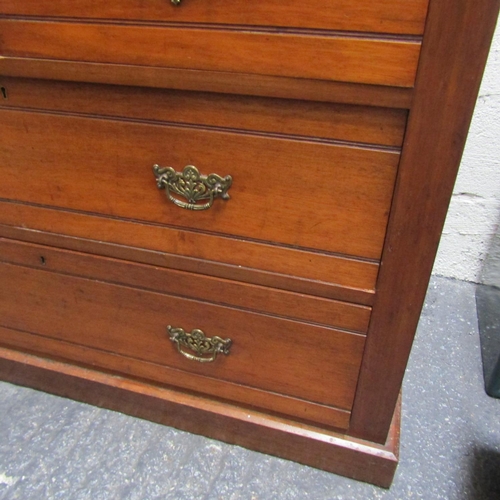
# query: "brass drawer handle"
x,y
199,343
192,185
176,2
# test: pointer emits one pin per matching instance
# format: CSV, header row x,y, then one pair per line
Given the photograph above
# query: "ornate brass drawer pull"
x,y
199,343
176,2
192,185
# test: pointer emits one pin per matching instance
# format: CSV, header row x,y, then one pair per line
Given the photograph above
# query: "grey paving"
x,y
488,315
53,448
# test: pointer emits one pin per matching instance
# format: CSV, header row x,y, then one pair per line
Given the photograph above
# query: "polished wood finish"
x,y
286,200
455,51
379,61
289,273
268,265
268,353
384,16
305,444
165,376
363,124
208,81
282,303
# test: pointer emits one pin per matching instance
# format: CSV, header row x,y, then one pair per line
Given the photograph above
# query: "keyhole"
x,y
3,90
42,260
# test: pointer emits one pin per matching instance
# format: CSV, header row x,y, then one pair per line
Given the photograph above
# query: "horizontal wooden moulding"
x,y
350,59
363,124
351,280
385,16
198,286
207,81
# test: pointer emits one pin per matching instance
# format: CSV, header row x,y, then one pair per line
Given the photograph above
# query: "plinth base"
x,y
303,443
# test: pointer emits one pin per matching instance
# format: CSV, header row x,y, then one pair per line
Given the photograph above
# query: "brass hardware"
x,y
176,2
192,185
199,343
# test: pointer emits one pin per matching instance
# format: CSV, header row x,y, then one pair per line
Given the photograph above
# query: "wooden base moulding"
x,y
273,435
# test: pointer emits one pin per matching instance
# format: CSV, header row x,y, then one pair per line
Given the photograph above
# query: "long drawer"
x,y
378,61
331,276
322,196
282,303
126,329
321,120
385,16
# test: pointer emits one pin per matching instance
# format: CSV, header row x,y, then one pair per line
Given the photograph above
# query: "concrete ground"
x,y
53,448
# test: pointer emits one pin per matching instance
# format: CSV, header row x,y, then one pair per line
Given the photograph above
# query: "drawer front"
x,y
95,359
364,124
273,301
287,268
384,16
308,362
384,61
313,195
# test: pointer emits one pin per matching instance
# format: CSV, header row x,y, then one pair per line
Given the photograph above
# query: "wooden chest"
x,y
223,216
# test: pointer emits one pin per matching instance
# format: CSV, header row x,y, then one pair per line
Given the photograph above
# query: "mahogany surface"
x,y
379,61
210,81
269,353
281,189
342,126
455,51
165,376
385,16
363,124
274,301
303,443
266,264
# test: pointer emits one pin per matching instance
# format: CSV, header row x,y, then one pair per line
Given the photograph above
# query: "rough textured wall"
x,y
470,245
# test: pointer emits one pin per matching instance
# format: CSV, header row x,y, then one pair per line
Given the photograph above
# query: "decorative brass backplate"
x,y
199,343
176,2
192,185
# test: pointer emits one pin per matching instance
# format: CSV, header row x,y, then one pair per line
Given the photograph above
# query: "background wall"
x,y
470,245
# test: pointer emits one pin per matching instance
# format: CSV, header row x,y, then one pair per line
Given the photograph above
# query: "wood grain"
x,y
350,59
364,124
305,444
385,16
251,297
208,81
267,353
312,195
456,43
343,67
268,265
164,376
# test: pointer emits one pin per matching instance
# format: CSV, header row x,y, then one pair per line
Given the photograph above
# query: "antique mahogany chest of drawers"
x,y
222,216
